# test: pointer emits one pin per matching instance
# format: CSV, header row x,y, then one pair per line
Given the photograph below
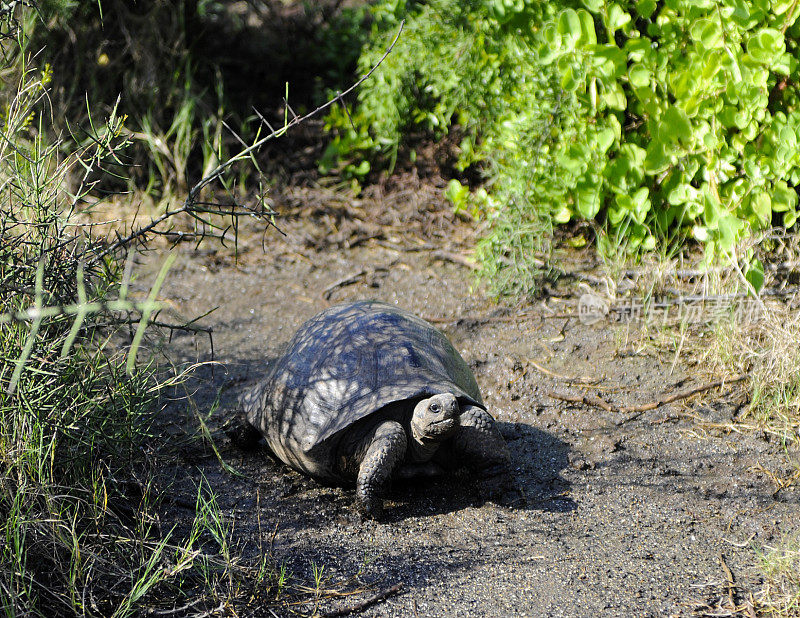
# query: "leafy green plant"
x,y
72,409
656,120
681,96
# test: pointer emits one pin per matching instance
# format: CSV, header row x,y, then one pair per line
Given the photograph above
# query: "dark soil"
x,y
636,518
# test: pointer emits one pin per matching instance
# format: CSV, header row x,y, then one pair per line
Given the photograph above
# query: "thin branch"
x,y
296,120
589,400
636,411
360,607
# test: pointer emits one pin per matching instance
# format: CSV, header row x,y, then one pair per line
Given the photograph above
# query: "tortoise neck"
x,y
421,449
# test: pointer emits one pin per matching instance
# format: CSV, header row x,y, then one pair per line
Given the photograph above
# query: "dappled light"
x,y
344,365
399,308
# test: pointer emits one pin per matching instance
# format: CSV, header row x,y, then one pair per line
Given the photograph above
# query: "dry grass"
x,y
780,595
767,350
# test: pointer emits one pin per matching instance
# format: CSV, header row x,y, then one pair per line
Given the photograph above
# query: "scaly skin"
x,y
478,445
385,450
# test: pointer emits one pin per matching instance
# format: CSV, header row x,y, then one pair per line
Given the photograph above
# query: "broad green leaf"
x,y
593,5
728,116
605,138
638,48
636,235
788,138
707,32
641,196
639,76
713,63
657,159
645,8
681,194
577,241
729,227
562,215
766,46
616,214
570,80
550,35
634,154
457,194
741,10
614,97
711,209
741,119
551,44
614,125
755,275
609,60
362,169
624,201
617,17
675,125
784,199
666,216
587,198
683,82
762,207
687,5
573,161
616,174
569,26
640,202
588,34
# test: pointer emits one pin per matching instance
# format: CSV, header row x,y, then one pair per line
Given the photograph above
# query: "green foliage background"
x,y
657,120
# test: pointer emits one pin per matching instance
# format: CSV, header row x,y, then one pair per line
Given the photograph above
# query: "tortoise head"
x,y
435,418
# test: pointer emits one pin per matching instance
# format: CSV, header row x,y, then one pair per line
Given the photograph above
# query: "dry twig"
x,y
360,607
351,278
570,379
729,580
636,411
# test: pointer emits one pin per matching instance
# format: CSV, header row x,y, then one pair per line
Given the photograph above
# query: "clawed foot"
x,y
369,509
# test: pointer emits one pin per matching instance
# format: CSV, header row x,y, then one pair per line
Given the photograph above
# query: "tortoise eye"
x,y
435,407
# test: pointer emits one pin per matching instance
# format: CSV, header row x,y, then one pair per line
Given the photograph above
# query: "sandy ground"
x,y
625,516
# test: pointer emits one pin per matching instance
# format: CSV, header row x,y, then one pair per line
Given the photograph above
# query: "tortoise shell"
x,y
344,365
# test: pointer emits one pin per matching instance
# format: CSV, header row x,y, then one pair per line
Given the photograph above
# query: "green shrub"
x,y
79,533
656,120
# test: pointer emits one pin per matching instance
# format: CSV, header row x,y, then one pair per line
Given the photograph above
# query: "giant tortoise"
x,y
365,392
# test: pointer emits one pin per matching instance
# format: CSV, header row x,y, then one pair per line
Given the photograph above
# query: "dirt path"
x,y
631,519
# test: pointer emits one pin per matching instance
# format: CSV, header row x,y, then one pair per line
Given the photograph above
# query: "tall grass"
x,y
780,566
78,525
71,417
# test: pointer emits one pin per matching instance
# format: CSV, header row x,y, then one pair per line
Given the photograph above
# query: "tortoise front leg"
x,y
478,445
385,450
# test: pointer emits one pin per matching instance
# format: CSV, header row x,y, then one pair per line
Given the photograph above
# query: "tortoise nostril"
x,y
452,407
